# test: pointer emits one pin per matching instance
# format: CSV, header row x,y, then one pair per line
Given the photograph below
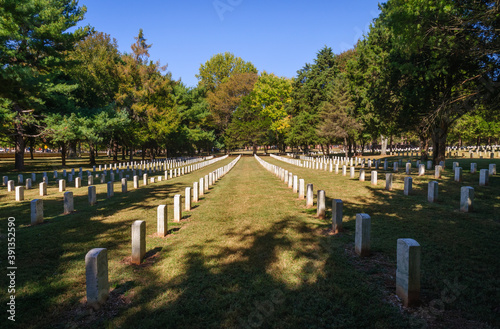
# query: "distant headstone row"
x,y
96,261
37,211
466,195
408,250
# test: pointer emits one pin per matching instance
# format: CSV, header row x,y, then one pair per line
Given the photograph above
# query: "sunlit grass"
x,y
247,238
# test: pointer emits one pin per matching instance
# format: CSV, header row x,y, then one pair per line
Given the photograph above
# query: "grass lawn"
x,y
249,255
458,249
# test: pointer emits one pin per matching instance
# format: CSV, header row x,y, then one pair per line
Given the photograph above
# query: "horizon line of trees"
x,y
426,70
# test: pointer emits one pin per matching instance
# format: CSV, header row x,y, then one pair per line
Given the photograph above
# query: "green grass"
x,y
455,246
250,255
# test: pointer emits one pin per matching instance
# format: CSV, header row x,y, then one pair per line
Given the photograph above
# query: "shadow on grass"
x,y
243,293
62,241
456,247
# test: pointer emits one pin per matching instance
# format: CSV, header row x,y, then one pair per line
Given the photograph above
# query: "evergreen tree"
x,y
34,40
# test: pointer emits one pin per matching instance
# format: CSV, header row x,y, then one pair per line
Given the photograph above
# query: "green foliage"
x,y
473,129
220,67
197,127
272,95
338,122
147,96
34,41
228,96
423,64
250,125
96,70
310,90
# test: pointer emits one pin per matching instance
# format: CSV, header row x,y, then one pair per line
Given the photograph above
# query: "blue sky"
x,y
276,36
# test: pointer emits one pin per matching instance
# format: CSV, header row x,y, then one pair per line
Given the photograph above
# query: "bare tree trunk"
x,y
63,154
424,148
19,151
115,150
91,154
131,154
32,147
72,150
439,142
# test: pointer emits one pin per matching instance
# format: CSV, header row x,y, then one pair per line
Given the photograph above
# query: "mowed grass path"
x,y
250,257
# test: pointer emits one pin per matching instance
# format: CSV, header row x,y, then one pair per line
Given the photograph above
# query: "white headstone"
x,y
337,208
162,222
408,185
432,194
19,193
177,208
68,202
96,276
37,211
408,271
138,241
321,206
362,235
92,195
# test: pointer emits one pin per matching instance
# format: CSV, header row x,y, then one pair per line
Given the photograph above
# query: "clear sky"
x,y
276,36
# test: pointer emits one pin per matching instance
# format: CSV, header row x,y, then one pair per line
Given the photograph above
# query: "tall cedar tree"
x,y
34,41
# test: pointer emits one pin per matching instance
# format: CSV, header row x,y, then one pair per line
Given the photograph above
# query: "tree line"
x,y
427,70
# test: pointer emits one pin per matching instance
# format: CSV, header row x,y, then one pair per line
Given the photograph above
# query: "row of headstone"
x,y
408,250
19,195
483,177
96,260
171,165
37,212
466,194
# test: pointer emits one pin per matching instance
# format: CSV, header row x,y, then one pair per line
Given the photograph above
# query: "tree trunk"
x,y
115,150
131,154
254,149
91,154
19,149
424,148
72,150
439,142
391,142
63,154
32,147
152,153
143,152
123,153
